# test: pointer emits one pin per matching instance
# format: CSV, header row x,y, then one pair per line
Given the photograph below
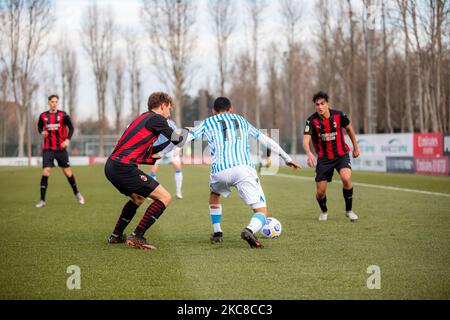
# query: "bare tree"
x,y
223,16
387,97
403,7
24,25
68,64
118,90
255,11
291,11
170,28
274,85
134,71
97,35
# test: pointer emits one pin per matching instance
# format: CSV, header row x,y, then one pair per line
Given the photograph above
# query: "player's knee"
x,y
320,193
166,198
46,172
347,183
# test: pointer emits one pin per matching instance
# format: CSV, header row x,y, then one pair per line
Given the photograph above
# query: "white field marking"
x,y
367,185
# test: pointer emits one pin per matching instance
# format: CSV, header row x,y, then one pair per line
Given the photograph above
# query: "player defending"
x,y
136,146
53,125
325,128
228,138
174,158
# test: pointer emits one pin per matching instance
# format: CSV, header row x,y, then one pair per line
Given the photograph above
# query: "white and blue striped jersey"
x,y
228,140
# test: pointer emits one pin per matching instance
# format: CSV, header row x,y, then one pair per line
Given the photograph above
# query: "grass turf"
x,y
405,234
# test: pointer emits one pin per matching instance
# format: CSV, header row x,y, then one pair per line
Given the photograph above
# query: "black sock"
x,y
73,184
153,212
348,197
128,212
323,204
44,184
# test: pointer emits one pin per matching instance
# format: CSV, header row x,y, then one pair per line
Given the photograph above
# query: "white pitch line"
x,y
376,186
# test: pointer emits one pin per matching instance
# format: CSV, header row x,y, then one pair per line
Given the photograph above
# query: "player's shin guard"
x,y
216,216
178,180
73,184
257,222
153,212
323,204
44,184
128,212
348,197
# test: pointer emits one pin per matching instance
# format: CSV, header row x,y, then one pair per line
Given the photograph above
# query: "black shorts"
x,y
129,179
325,167
61,157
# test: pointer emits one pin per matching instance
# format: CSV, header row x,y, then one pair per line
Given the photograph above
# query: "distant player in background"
x,y
264,159
174,159
326,130
228,135
136,147
56,128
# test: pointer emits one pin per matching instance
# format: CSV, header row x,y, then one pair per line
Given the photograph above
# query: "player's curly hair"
x,y
320,95
158,98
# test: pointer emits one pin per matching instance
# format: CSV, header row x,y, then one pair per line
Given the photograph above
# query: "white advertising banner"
x,y
369,163
384,145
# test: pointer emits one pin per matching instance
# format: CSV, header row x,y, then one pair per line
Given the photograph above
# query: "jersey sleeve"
x,y
160,125
308,127
68,123
40,124
252,131
345,121
198,131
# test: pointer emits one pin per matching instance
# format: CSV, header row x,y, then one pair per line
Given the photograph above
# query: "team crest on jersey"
x,y
57,118
335,124
143,178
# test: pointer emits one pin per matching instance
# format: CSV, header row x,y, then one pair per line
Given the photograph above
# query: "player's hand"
x,y
356,152
311,160
156,156
44,134
65,144
294,165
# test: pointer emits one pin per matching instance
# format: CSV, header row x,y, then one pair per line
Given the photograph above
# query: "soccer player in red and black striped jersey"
x,y
326,130
57,129
135,147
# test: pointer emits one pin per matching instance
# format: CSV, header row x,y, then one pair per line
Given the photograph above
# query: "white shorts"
x,y
173,156
246,181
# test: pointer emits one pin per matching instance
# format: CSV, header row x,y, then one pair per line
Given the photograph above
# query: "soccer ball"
x,y
272,228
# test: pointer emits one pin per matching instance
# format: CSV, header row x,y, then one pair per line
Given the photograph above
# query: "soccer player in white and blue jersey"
x,y
228,135
174,158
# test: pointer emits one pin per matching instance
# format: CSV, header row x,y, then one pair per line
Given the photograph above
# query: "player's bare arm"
x,y
352,136
306,145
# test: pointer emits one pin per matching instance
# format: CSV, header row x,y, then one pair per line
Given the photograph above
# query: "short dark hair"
x,y
222,104
320,95
158,98
50,97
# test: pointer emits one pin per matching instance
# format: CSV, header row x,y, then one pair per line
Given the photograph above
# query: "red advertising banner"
x,y
431,165
428,144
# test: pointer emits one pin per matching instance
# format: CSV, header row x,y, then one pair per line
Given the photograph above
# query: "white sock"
x,y
178,180
216,215
257,222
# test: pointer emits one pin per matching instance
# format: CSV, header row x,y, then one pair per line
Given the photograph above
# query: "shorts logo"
x,y
143,178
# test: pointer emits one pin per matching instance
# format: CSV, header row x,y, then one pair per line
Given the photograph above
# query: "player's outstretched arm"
x,y
275,147
352,136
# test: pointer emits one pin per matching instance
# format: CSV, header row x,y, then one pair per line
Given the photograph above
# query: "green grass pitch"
x,y
406,234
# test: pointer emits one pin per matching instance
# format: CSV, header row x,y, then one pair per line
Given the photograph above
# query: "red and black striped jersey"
x,y
327,135
136,144
59,128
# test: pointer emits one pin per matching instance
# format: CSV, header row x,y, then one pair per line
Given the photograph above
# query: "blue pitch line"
x,y
367,185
